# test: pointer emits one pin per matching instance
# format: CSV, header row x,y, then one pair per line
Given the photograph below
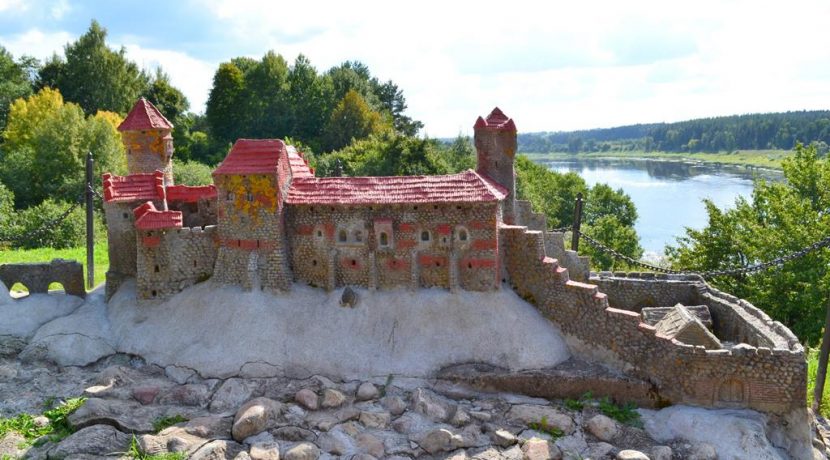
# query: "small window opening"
x,y
354,262
462,235
415,208
444,239
126,216
470,265
311,209
257,243
154,293
435,206
249,196
497,164
314,263
358,236
341,236
437,264
384,239
195,264
229,196
424,235
319,234
156,269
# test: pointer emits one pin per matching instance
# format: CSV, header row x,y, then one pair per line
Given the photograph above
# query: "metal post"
x,y
577,222
818,391
90,240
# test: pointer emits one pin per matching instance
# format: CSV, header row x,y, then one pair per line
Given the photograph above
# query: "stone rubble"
x,y
313,418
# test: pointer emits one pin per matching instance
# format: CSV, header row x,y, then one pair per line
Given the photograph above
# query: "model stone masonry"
x,y
268,222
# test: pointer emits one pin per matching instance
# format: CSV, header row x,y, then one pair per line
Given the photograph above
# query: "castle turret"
x,y
148,140
495,140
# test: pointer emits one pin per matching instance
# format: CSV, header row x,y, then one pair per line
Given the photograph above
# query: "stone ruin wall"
x,y
767,379
170,260
121,244
319,258
148,151
199,214
251,241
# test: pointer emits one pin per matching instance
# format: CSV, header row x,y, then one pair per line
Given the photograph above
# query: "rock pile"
x,y
129,402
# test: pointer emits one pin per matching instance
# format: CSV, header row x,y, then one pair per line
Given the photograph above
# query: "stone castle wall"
x,y
170,260
495,151
148,151
447,246
251,235
763,378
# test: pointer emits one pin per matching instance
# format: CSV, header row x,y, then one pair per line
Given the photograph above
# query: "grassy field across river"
x,y
753,158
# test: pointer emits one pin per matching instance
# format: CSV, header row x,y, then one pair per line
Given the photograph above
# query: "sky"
x,y
550,65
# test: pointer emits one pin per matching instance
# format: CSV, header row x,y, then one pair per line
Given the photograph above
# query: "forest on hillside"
x,y
762,131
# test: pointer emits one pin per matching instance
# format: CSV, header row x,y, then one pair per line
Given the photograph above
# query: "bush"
x,y
191,173
35,227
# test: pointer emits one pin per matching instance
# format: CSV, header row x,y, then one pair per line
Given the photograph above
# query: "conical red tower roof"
x,y
143,116
496,120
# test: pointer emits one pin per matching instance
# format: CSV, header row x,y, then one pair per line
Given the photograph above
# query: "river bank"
x,y
753,159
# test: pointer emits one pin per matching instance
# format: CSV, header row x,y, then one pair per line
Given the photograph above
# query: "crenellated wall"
x,y
170,260
447,245
763,378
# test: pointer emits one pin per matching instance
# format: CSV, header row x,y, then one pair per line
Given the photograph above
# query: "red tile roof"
x,y
143,116
147,217
299,165
135,187
465,187
252,156
189,193
496,120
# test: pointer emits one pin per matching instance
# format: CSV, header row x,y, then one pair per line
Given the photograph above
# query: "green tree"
x,y
387,154
224,108
191,173
611,232
460,154
265,100
309,98
45,147
96,77
602,200
352,119
392,99
14,82
780,218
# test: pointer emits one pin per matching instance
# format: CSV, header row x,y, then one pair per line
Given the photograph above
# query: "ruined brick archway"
x,y
38,276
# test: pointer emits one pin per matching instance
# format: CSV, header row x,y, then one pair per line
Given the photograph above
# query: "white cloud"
x,y
59,9
37,43
193,76
13,6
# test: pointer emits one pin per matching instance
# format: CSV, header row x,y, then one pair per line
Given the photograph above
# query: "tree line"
x,y
766,131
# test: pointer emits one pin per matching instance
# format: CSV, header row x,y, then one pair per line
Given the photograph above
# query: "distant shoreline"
x,y
752,159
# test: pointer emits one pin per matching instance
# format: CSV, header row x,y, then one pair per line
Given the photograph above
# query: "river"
x,y
668,194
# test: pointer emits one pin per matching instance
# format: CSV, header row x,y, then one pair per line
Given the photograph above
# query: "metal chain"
x,y
708,274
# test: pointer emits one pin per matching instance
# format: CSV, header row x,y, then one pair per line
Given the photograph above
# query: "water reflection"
x,y
668,194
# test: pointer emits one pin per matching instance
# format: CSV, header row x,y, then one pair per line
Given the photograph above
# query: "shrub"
x,y
191,173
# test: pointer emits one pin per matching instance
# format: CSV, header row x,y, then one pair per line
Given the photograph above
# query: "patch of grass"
x,y
578,404
543,427
135,453
101,257
57,429
623,413
383,388
166,422
812,371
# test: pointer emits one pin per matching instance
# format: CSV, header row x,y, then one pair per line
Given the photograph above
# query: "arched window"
x,y
342,236
358,235
383,239
425,236
249,196
462,235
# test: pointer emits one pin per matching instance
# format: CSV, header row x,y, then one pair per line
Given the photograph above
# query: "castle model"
x,y
268,222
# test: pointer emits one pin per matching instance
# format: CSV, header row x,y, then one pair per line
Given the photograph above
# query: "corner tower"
x,y
495,140
148,140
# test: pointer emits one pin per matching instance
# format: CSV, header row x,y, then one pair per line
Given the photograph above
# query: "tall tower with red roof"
x,y
147,138
495,141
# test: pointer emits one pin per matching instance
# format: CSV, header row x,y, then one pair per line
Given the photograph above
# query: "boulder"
x,y
307,399
92,440
630,454
394,404
265,451
254,417
604,428
661,453
378,420
366,391
503,438
539,449
439,440
230,395
332,399
431,405
303,451
218,450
